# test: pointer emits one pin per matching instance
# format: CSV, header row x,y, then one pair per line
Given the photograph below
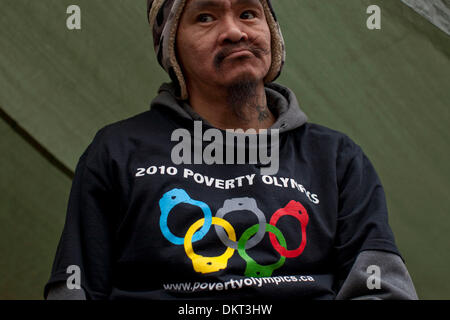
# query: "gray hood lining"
x,y
280,100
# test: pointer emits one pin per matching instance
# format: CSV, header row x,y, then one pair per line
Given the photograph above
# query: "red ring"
x,y
291,209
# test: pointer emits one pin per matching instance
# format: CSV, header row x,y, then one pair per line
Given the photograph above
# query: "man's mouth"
x,y
239,54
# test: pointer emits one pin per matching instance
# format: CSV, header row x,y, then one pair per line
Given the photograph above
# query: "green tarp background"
x,y
388,89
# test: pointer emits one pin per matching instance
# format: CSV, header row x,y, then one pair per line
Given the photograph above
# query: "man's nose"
x,y
232,31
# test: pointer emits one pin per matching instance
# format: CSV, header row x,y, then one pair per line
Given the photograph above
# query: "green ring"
x,y
252,267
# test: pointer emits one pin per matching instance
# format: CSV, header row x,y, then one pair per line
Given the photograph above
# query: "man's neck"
x,y
213,105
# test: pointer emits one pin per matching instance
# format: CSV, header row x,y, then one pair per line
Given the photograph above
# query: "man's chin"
x,y
241,71
241,77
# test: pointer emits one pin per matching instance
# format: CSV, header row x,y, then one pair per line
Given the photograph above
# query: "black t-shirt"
x,y
139,226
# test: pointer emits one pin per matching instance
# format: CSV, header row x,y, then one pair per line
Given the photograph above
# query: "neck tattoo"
x,y
263,113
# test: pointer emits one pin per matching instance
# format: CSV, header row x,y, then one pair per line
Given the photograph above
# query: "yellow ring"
x,y
197,225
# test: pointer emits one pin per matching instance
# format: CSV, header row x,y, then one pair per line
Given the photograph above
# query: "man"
x,y
140,225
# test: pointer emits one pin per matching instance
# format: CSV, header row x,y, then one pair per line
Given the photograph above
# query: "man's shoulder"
x,y
142,124
324,135
123,135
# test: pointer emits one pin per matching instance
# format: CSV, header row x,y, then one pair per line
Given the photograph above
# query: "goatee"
x,y
241,97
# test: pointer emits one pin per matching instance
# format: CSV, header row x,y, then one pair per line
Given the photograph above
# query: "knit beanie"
x,y
164,16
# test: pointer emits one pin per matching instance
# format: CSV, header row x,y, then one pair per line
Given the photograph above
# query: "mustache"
x,y
225,52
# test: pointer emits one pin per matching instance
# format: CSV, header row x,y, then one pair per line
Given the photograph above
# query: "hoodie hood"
x,y
280,100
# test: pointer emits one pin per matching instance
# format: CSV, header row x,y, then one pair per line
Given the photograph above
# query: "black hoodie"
x,y
139,226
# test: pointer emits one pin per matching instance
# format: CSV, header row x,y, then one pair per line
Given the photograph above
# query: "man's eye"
x,y
205,18
248,15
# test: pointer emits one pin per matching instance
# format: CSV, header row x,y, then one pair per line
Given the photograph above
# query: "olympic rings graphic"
x,y
172,198
209,264
250,238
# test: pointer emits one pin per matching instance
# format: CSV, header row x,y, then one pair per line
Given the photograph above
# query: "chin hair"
x,y
241,94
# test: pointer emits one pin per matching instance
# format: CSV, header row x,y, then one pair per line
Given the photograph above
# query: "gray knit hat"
x,y
164,16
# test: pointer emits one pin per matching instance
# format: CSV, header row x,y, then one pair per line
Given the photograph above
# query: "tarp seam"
x,y
35,144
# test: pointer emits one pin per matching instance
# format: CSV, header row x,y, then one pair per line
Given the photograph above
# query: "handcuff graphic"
x,y
227,235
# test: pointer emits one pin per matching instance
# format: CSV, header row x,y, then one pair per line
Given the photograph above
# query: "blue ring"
x,y
174,197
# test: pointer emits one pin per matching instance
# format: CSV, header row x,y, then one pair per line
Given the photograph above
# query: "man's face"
x,y
222,42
